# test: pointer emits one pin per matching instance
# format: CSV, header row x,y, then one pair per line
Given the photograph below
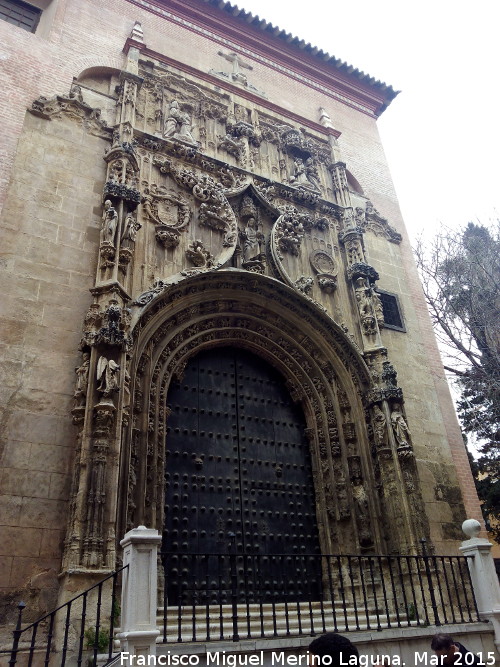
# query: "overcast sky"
x,y
441,134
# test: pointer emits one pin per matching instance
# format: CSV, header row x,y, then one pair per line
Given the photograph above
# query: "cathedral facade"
x,y
212,322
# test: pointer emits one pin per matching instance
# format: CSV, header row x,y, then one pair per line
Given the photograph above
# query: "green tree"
x,y
460,273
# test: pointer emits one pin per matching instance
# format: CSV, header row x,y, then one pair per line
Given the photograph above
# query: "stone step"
x,y
274,622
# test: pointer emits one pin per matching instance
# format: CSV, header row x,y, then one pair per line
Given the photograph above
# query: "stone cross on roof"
x,y
237,62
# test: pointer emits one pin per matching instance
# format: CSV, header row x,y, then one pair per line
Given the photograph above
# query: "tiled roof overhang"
x,y
254,37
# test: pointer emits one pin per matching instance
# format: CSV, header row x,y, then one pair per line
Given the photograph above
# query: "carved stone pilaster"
x,y
128,90
94,543
339,183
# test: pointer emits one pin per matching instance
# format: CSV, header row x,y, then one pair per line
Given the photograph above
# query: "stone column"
x,y
483,575
139,594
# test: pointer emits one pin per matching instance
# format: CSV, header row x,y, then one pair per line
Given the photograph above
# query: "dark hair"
x,y
335,646
441,642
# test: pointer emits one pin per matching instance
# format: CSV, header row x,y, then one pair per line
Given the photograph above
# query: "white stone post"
x,y
483,575
139,594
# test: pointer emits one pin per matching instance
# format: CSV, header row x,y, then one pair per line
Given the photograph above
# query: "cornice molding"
x,y
355,90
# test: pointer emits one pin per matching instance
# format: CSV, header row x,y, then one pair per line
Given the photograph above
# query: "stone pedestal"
x,y
483,575
139,630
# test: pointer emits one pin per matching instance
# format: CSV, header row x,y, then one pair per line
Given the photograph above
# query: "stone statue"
x,y
378,308
400,427
130,228
379,423
178,124
312,173
251,237
299,174
82,379
173,119
364,301
107,376
109,223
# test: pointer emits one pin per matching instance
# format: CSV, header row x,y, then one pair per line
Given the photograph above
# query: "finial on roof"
x,y
137,35
324,118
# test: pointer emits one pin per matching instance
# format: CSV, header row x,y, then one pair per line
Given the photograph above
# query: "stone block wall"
x,y
50,232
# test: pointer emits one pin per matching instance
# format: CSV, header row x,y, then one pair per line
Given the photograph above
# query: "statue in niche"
x,y
108,373
251,239
115,171
379,423
363,299
359,217
130,177
299,173
130,228
400,427
378,308
178,124
82,379
362,514
312,173
109,223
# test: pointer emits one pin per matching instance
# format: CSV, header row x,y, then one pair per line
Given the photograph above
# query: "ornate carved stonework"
x,y
178,124
375,223
326,270
74,107
224,223
170,211
199,255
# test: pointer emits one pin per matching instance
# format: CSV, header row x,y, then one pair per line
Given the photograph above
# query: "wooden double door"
x,y
240,510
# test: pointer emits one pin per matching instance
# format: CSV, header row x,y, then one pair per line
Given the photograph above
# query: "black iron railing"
x,y
79,628
246,596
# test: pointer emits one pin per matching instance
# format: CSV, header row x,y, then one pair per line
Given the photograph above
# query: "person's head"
x,y
445,648
331,650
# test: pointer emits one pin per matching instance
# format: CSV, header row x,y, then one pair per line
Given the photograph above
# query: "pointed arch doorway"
x,y
237,479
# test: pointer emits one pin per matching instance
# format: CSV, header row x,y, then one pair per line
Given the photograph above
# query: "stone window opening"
x,y
393,316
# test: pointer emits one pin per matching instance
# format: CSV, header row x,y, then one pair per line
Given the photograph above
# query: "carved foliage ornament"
x,y
199,255
289,231
215,211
